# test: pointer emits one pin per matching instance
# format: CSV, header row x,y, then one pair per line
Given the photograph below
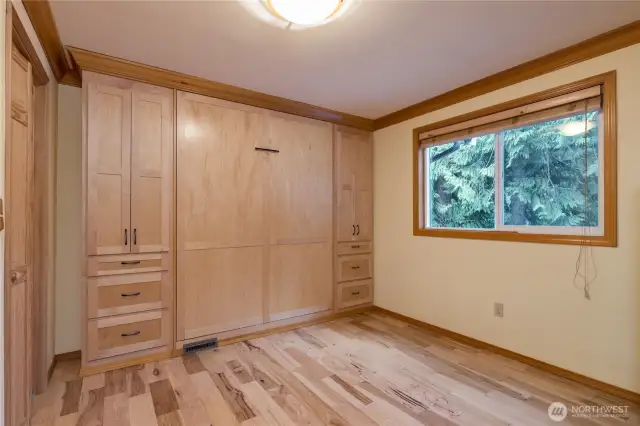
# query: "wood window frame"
x,y
609,141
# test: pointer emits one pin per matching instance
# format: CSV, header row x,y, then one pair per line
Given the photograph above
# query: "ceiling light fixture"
x,y
574,128
304,12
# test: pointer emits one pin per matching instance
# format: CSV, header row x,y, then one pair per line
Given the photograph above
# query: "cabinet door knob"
x,y
126,237
358,226
354,230
14,277
132,333
135,236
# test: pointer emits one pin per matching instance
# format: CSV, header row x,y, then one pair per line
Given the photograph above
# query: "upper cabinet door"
x,y
220,176
108,151
151,168
346,167
354,185
364,187
300,199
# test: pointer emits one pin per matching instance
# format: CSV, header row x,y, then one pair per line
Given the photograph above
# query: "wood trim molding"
x,y
67,356
610,237
92,61
23,43
616,39
41,17
541,365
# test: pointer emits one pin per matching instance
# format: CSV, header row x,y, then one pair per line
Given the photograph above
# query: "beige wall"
x,y
453,283
68,220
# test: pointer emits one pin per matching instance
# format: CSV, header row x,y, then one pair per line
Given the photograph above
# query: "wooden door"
x,y
151,168
364,188
347,150
222,231
300,216
18,256
108,127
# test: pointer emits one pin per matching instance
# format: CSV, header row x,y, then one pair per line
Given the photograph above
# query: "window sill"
x,y
597,241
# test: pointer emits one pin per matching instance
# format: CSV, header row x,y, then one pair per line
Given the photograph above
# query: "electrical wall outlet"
x,y
498,310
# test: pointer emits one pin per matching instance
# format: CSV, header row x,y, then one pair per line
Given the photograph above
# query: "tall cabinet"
x,y
354,217
128,202
254,216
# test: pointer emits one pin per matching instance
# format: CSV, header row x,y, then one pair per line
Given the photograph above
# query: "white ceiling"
x,y
380,57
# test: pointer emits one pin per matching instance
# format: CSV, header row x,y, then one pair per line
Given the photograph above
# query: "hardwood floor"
x,y
367,369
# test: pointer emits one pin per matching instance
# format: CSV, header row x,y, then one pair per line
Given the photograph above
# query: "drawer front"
x,y
354,267
127,264
113,336
355,293
125,294
356,247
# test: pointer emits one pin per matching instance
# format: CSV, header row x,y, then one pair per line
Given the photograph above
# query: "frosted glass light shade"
x,y
304,12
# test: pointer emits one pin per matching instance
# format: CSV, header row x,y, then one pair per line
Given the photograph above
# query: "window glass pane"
x,y
461,183
551,173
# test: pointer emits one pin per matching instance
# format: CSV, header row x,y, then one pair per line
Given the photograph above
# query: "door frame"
x,y
43,203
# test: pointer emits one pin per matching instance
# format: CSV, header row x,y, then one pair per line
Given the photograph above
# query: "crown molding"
x,y
616,39
92,61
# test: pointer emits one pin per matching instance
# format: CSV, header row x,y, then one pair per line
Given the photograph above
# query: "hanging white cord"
x,y
586,252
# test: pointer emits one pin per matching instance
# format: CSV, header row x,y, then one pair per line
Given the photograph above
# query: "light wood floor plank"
x,y
362,370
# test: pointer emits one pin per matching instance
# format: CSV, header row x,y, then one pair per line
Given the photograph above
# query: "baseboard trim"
x,y
541,365
66,356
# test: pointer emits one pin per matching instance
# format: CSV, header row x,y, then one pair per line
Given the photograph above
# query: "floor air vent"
x,y
200,346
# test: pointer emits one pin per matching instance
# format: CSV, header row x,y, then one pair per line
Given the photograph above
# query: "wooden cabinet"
x,y
108,159
354,191
151,169
128,195
354,218
254,216
129,166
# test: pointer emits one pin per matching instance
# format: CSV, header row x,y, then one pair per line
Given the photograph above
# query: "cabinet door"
x,y
299,280
221,177
364,188
108,153
301,180
347,166
219,290
151,168
222,230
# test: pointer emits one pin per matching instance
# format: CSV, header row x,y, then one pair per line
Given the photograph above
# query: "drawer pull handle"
x,y
356,246
137,293
132,333
130,262
355,267
355,293
273,151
